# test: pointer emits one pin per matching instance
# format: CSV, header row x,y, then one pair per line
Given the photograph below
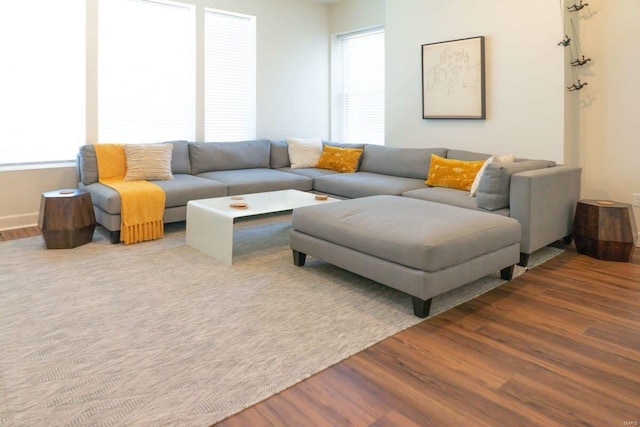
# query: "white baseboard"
x,y
18,221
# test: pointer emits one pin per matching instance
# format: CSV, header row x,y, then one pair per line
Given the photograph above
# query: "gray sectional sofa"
x,y
539,194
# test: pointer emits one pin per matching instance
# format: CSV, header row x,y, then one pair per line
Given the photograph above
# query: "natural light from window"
x,y
42,81
230,76
359,87
146,71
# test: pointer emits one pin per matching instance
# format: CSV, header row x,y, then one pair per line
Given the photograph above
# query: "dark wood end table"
x,y
66,218
604,230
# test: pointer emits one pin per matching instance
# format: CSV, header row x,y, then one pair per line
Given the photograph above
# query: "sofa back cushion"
x,y
280,152
279,155
342,144
403,162
466,156
221,156
88,165
495,183
180,162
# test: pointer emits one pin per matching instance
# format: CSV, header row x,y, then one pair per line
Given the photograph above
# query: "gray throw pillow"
x,y
495,183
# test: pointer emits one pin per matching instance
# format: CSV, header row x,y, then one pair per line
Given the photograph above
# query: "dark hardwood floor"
x,y
19,233
558,346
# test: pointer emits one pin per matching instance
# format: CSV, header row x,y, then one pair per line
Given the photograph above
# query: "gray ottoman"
x,y
421,248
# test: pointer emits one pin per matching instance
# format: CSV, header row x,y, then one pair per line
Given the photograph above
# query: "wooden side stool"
x,y
604,230
66,218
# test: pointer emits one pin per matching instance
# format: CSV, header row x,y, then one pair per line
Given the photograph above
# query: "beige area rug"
x,y
160,334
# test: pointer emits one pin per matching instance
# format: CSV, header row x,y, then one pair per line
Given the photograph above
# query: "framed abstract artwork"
x,y
453,79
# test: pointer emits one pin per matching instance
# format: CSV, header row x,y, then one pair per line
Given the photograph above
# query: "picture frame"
x,y
453,79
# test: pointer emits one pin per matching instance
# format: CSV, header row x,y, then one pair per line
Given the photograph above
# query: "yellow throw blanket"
x,y
142,202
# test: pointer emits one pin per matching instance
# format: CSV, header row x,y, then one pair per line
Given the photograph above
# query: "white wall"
x,y
350,15
344,17
602,118
524,75
292,65
21,191
292,92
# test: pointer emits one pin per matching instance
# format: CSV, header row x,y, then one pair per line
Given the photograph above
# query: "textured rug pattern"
x,y
161,334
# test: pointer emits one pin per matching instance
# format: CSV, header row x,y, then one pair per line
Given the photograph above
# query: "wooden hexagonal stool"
x,y
604,230
66,218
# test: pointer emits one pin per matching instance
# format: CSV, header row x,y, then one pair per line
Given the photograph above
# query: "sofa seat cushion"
x,y
363,184
247,181
312,173
451,197
426,236
189,187
177,191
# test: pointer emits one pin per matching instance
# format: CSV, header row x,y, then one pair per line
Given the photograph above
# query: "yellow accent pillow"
x,y
452,173
339,159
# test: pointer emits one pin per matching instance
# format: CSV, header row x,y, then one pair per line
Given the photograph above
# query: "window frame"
x,y
251,73
24,103
337,81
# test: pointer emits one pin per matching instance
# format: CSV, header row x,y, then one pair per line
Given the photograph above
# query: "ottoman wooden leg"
x,y
299,258
114,237
524,259
507,273
421,307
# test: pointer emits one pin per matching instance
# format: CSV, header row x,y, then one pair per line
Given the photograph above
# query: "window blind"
x,y
42,81
146,71
360,87
230,76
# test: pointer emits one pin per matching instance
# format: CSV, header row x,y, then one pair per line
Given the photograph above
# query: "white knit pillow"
x,y
304,153
148,162
493,159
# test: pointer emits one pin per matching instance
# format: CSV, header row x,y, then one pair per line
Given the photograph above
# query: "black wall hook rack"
x,y
566,41
577,7
577,86
580,62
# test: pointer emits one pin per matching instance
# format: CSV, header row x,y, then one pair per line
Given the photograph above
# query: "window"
x,y
230,76
359,88
128,71
146,71
42,81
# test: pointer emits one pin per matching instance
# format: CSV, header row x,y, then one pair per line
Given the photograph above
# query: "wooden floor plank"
x,y
19,233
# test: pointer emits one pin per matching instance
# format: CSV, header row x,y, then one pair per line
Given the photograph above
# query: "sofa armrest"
x,y
544,202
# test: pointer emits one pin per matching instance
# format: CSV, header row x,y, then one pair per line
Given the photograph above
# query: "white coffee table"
x,y
210,221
